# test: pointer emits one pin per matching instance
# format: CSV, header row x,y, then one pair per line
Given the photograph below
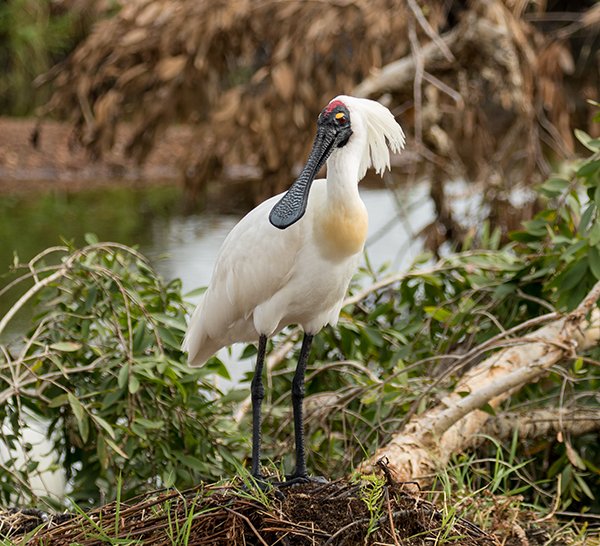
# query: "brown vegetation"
x,y
329,514
486,89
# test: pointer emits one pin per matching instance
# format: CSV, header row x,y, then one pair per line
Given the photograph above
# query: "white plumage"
x,y
266,278
290,260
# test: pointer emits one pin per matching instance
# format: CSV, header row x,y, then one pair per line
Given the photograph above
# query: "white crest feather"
x,y
383,133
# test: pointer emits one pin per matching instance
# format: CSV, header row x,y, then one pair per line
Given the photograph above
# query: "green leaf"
x,y
586,217
594,234
191,462
587,140
555,186
58,401
139,430
103,424
216,365
116,448
588,168
168,477
503,290
66,346
134,384
123,376
79,413
195,292
235,395
374,336
91,238
437,313
594,261
101,452
168,338
572,276
248,352
139,333
584,486
170,322
487,408
147,423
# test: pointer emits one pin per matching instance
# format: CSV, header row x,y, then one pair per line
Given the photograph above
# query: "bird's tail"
x,y
197,343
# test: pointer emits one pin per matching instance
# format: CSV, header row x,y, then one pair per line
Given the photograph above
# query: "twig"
x,y
391,517
556,503
415,47
262,541
400,73
344,529
31,292
435,37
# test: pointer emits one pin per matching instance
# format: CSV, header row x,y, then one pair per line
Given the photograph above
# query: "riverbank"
x,y
52,161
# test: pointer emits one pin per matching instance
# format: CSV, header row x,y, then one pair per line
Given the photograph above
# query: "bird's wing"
x,y
255,261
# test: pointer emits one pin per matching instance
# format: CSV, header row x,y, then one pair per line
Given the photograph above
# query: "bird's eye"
x,y
341,117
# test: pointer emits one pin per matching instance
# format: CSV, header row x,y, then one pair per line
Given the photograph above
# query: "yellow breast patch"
x,y
341,232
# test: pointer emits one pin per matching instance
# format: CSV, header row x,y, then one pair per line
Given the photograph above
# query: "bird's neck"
x,y
342,223
342,180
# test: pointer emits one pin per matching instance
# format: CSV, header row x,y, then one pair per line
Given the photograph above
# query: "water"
x,y
179,246
185,247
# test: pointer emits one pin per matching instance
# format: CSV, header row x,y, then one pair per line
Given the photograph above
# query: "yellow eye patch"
x,y
340,115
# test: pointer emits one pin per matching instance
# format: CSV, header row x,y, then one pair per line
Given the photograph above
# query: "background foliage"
x,y
34,35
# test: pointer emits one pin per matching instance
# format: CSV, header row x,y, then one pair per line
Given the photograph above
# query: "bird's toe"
x,y
297,479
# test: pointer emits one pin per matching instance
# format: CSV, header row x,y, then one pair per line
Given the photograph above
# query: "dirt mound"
x,y
334,513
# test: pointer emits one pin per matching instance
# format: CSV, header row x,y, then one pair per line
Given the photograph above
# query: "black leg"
x,y
258,393
297,401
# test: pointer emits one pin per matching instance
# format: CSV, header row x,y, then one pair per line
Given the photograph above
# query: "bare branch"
x,y
541,423
429,439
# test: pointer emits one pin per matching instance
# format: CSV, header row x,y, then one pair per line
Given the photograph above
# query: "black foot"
x,y
296,479
265,485
262,483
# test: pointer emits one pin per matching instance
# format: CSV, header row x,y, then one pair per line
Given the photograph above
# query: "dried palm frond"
x,y
486,87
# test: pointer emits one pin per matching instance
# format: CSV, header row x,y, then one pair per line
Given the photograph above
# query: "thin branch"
x,y
32,292
435,37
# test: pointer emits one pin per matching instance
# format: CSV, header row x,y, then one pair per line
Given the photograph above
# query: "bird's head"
x,y
362,126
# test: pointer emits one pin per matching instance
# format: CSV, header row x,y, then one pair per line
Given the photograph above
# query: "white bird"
x,y
290,260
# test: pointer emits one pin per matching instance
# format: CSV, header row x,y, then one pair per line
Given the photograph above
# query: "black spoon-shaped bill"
x,y
292,206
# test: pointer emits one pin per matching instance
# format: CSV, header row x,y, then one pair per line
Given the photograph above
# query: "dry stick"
x,y
391,517
417,53
344,529
399,74
540,423
428,440
435,37
249,524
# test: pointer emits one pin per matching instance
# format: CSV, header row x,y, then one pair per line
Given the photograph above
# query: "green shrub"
x,y
103,365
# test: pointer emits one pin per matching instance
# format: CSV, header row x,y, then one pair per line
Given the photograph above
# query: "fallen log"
x,y
428,440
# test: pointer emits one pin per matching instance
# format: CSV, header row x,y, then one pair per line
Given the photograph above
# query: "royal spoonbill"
x,y
290,260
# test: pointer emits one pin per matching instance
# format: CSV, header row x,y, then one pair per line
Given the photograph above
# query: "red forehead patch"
x,y
332,105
